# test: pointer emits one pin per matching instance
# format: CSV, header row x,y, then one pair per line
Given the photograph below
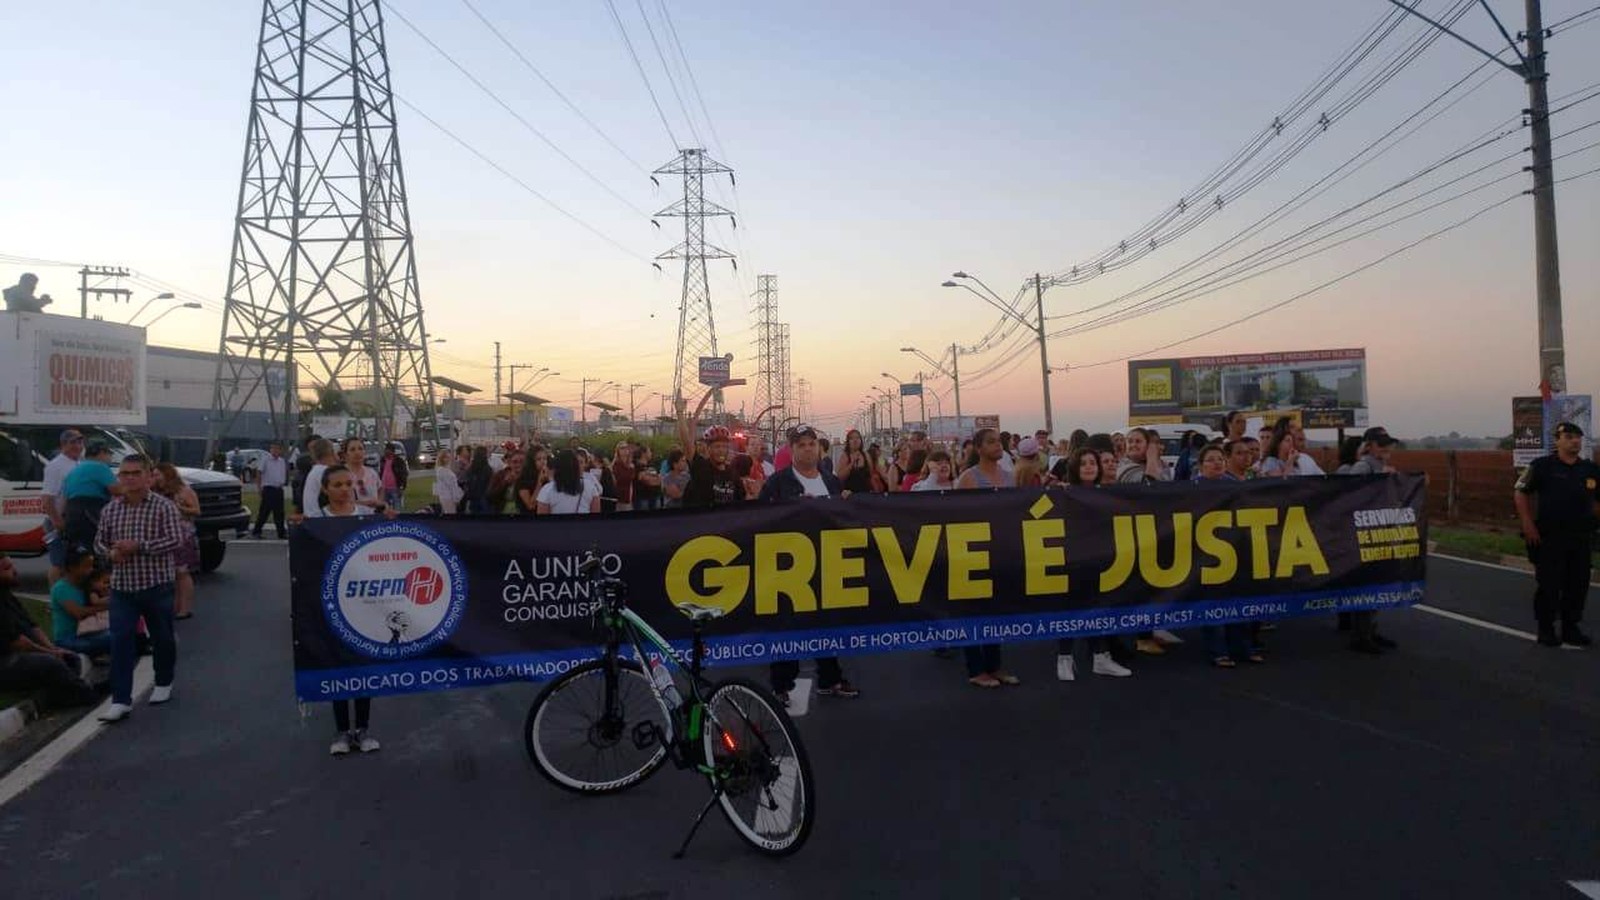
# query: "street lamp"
x,y
169,311
954,372
168,295
1036,327
900,389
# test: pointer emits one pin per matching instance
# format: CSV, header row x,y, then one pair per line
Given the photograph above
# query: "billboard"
x,y
61,370
716,370
1327,388
1533,419
948,429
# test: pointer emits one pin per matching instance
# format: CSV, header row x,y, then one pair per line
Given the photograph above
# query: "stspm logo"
x,y
393,590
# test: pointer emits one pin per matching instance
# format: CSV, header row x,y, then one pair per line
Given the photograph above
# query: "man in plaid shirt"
x,y
140,531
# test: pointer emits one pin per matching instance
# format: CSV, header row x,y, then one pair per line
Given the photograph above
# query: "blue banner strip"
x,y
416,676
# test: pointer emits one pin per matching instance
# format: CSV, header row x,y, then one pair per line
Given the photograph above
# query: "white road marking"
x,y
1490,565
1590,889
68,742
1480,623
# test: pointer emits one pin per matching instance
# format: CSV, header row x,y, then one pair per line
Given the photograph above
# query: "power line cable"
x,y
667,70
519,182
639,66
1200,204
549,84
521,119
1324,285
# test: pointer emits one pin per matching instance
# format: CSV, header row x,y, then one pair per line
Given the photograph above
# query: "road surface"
x,y
1463,765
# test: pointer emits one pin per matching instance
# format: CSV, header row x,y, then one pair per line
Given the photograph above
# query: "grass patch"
x,y
419,493
1481,542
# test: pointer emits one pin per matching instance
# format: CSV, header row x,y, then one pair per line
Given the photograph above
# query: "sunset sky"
x,y
879,147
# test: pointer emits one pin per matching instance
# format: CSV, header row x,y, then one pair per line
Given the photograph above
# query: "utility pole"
x,y
511,388
1044,353
84,290
1552,348
633,408
1530,67
496,373
922,398
955,380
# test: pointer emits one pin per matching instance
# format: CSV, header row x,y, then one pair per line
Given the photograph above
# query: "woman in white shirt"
x,y
338,484
568,492
322,457
936,473
368,485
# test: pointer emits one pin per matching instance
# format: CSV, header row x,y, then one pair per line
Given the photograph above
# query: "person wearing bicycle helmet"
x,y
712,479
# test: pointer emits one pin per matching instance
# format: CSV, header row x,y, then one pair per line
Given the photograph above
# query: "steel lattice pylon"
x,y
768,394
697,331
323,277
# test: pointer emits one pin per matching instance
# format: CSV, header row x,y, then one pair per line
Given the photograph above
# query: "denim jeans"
x,y
56,678
95,643
155,606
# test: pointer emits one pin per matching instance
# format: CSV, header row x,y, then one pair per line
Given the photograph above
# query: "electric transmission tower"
x,y
323,277
697,331
784,386
768,393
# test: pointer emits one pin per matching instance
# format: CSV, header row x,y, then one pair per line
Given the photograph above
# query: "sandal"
x,y
984,681
1224,662
1008,679
1256,657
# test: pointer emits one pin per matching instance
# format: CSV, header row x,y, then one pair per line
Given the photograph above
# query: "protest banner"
x,y
430,603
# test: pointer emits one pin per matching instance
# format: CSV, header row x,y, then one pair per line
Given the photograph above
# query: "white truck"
x,y
58,372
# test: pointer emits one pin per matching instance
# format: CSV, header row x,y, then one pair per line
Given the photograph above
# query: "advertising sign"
x,y
913,389
61,370
716,370
1327,387
947,429
1527,430
427,603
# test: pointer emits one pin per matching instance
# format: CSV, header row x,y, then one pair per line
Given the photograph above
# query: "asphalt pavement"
x,y
1462,765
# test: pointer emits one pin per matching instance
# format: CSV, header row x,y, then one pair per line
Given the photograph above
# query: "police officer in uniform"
x,y
1561,536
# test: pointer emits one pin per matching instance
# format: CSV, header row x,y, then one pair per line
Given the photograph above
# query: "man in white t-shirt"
x,y
55,473
804,480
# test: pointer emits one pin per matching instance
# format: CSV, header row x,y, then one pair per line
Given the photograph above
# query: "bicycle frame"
x,y
625,623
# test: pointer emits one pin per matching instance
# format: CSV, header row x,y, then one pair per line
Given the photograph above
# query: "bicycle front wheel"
x,y
760,766
580,745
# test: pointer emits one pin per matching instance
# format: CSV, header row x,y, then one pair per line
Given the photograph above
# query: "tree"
x,y
330,401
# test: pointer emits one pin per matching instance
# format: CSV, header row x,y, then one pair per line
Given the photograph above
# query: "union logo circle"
x,y
392,590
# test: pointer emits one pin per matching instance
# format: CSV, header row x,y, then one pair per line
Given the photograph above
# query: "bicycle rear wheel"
x,y
761,767
580,746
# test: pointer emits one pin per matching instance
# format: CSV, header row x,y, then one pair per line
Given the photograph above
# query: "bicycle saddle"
x,y
698,613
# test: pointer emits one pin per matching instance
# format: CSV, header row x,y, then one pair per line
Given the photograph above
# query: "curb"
x,y
14,720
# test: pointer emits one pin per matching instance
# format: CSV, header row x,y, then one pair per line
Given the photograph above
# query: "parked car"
x,y
25,449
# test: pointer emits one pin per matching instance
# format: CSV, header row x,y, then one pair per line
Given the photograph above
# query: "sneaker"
x,y
116,712
365,742
1571,636
340,745
161,694
1145,645
1066,668
1166,638
1105,665
843,689
1547,636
